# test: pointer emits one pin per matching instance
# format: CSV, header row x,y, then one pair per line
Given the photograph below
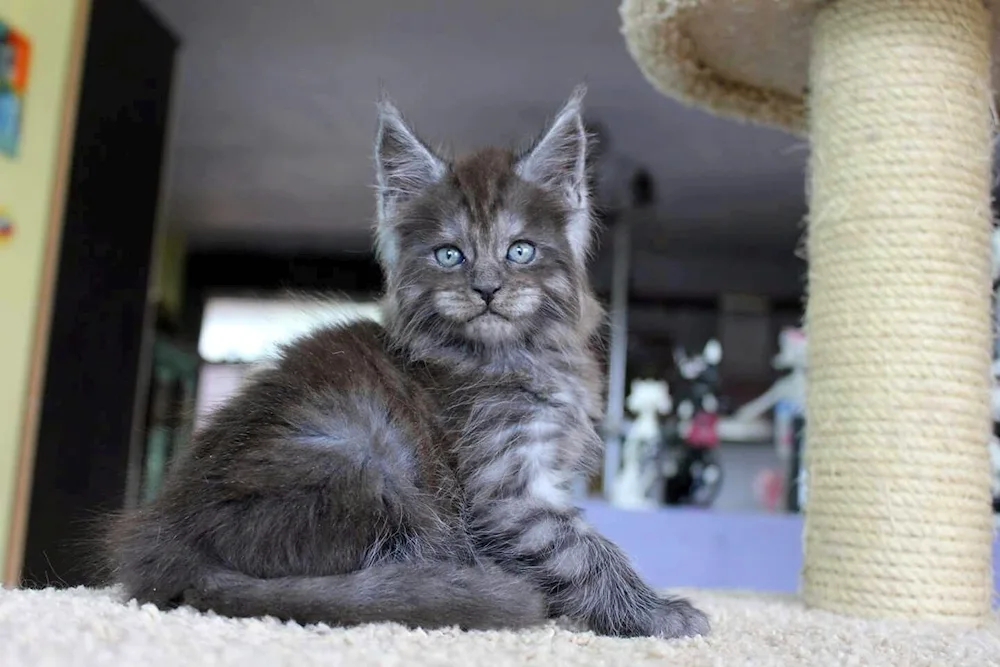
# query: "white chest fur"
x,y
547,483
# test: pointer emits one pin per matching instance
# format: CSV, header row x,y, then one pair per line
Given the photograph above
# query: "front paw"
x,y
669,618
676,617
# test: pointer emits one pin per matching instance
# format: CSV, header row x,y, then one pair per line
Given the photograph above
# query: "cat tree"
x,y
895,97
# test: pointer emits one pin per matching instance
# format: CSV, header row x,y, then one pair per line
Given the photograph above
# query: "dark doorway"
x,y
100,303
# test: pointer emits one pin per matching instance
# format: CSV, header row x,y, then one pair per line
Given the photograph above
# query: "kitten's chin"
x,y
491,329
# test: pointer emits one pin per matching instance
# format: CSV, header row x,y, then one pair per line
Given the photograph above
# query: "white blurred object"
x,y
745,430
633,487
692,367
787,395
712,354
248,330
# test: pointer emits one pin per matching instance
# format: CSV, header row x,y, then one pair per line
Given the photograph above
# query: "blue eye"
x,y
449,256
521,252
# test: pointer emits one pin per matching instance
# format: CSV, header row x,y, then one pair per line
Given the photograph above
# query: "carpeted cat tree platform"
x,y
895,97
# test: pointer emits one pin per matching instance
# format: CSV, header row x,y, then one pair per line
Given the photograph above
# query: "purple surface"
x,y
706,549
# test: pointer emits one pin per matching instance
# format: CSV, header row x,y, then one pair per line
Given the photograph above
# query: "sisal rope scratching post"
x,y
895,96
898,521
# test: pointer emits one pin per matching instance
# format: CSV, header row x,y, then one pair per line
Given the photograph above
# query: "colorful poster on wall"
x,y
6,227
15,50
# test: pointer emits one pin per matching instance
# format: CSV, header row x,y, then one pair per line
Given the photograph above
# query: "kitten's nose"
x,y
486,290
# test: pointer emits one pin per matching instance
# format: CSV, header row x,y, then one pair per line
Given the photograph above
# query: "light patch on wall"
x,y
247,330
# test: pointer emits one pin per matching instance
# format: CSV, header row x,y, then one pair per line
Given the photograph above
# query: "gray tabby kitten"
x,y
419,473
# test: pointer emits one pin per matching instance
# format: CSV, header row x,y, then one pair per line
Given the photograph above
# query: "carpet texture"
x,y
92,627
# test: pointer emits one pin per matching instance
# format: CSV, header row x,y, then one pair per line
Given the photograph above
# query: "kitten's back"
x,y
320,492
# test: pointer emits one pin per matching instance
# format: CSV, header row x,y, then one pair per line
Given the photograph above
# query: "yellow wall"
x,y
168,278
30,193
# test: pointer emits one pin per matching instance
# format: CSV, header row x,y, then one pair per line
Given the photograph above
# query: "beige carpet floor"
x,y
93,627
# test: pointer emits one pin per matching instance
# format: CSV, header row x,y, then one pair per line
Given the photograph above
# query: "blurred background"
x,y
190,175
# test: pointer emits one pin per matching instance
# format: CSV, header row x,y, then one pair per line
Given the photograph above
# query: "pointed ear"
x,y
404,165
558,162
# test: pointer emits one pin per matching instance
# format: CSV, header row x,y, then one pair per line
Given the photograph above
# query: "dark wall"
x,y
101,291
209,272
236,271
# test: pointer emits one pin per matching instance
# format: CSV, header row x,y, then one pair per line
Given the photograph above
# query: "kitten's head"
x,y
490,248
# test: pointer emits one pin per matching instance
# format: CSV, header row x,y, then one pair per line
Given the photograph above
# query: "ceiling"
x,y
275,116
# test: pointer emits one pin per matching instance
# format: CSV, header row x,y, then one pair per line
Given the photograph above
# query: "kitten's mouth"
x,y
486,312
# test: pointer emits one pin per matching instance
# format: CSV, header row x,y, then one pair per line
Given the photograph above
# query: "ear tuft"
x,y
558,162
404,166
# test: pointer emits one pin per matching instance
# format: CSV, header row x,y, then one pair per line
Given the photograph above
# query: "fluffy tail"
x,y
425,595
